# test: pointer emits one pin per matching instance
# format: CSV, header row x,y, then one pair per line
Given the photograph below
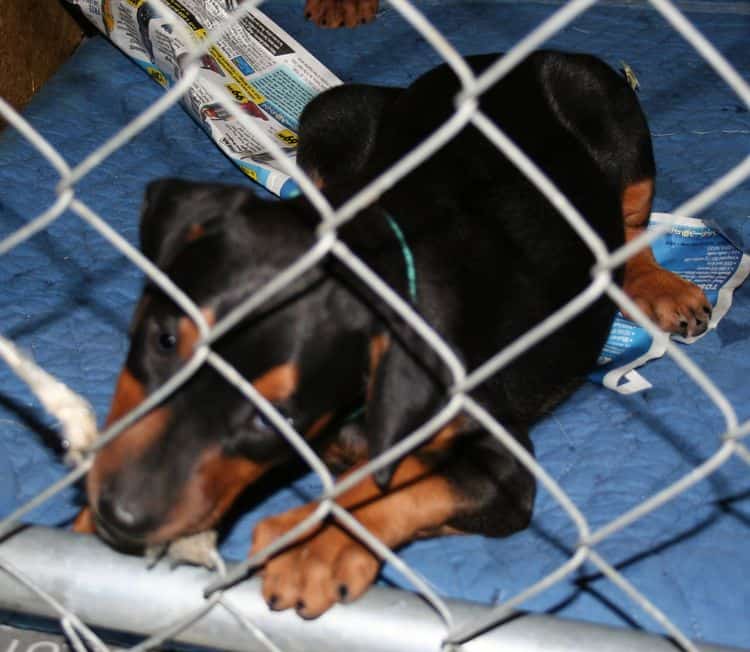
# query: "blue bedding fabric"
x,y
67,297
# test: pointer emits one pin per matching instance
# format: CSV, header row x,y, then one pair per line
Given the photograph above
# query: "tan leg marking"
x,y
674,304
329,565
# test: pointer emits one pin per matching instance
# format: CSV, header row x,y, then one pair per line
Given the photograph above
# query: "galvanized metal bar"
x,y
117,592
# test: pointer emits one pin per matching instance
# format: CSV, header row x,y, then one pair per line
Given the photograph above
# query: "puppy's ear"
x,y
402,395
176,212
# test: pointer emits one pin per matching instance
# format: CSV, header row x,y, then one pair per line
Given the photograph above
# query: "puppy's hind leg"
x,y
338,130
497,490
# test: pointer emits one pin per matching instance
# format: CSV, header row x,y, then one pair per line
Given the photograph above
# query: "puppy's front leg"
x,y
674,304
330,565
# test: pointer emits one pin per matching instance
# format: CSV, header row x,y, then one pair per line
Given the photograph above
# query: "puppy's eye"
x,y
166,341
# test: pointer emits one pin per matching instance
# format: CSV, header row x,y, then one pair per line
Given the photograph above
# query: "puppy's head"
x,y
177,469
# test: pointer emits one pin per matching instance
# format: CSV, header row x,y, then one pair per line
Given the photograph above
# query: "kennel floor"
x,y
67,298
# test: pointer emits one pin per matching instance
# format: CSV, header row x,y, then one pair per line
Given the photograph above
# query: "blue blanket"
x,y
67,298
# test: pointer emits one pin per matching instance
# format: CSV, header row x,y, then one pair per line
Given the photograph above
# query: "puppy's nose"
x,y
124,518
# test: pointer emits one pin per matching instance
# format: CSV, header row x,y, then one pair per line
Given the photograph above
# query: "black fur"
x,y
493,258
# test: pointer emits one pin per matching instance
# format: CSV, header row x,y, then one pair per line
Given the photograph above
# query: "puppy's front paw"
x,y
674,304
340,13
325,567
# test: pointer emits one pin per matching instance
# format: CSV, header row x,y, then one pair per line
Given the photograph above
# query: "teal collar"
x,y
411,277
411,271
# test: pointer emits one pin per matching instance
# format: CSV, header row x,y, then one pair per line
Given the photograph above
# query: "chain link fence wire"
x,y
731,441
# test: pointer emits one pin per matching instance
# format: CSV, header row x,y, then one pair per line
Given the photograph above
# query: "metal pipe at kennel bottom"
x,y
117,592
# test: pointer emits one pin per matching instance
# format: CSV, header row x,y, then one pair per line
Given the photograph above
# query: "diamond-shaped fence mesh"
x,y
458,627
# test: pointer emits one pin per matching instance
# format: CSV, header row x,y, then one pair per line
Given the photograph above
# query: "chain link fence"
x,y
459,627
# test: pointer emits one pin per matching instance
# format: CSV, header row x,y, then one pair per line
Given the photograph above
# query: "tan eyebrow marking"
x,y
188,334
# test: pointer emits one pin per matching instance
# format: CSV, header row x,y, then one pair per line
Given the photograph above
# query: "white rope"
x,y
74,413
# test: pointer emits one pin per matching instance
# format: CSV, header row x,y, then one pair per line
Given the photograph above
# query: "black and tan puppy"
x,y
465,237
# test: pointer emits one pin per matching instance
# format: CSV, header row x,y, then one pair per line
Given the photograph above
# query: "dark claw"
x,y
300,606
684,328
273,601
343,591
322,21
308,15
